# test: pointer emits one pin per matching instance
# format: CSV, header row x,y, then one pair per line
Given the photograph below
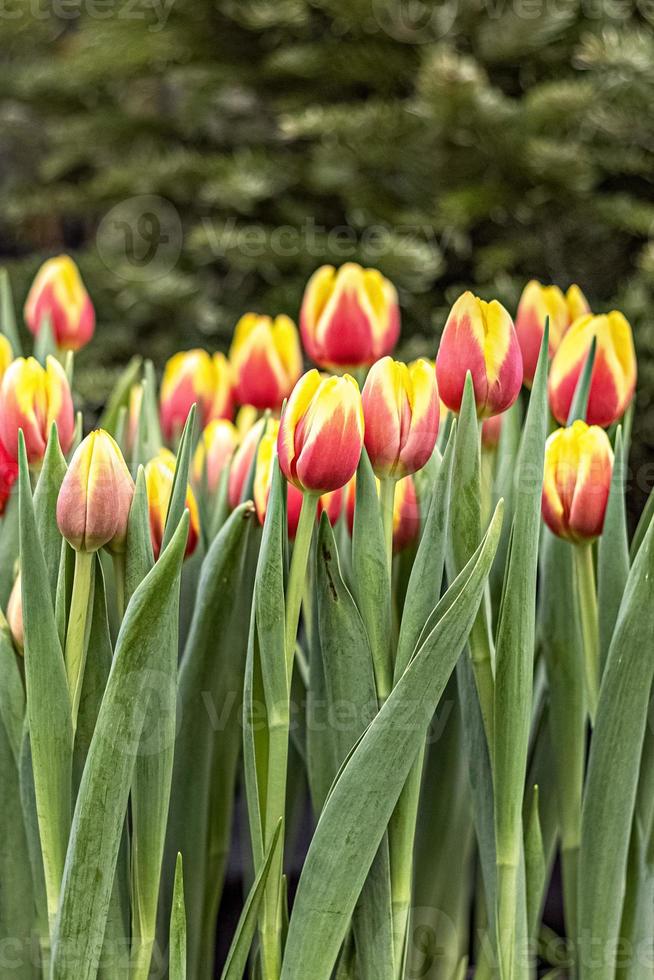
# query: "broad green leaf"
x,y
362,800
613,553
31,825
154,438
48,702
370,574
579,404
12,695
613,769
177,955
177,504
239,951
9,547
8,315
119,397
148,631
507,455
139,557
45,506
535,867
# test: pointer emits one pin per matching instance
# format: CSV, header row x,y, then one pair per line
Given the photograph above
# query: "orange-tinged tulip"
x,y
401,409
15,615
350,317
6,355
321,433
8,476
214,451
479,337
537,303
614,373
221,405
159,475
188,379
58,294
406,514
266,360
96,496
577,480
31,399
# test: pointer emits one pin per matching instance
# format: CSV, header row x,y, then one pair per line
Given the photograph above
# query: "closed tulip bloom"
x,y
479,337
246,417
321,433
266,360
266,455
537,304
31,399
15,615
401,409
577,480
8,476
214,452
614,373
188,379
58,294
6,355
242,461
221,405
159,475
406,514
350,317
95,496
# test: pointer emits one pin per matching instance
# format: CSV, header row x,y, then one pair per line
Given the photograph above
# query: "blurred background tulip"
x,y
266,360
58,295
406,514
6,355
263,474
321,433
95,496
537,303
491,430
159,475
221,401
8,476
31,399
188,379
401,409
214,452
350,317
15,615
243,459
479,337
577,480
614,372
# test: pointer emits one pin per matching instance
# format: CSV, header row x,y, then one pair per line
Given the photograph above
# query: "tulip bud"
x,y
31,399
188,379
321,433
350,317
479,337
614,372
577,480
95,496
15,615
266,360
401,409
133,415
159,476
266,455
537,303
8,476
491,430
406,514
6,355
58,294
242,461
221,405
214,451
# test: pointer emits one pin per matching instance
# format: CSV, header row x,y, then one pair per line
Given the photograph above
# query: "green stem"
x,y
507,910
297,575
76,637
587,593
386,502
402,831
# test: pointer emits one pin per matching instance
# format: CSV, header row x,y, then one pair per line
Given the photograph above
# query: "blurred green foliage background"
x,y
201,157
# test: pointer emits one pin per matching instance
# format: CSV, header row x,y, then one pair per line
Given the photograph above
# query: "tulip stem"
x,y
78,622
585,573
387,501
297,576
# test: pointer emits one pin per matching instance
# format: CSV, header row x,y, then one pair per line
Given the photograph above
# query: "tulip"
x,y
214,452
133,415
321,433
95,496
6,355
406,515
401,409
246,417
8,476
263,474
479,337
266,360
613,380
221,405
31,399
15,615
159,475
58,294
491,430
242,462
188,379
332,504
350,317
537,304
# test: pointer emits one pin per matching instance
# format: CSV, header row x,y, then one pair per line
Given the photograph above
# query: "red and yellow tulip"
x,y
159,475
577,480
221,405
263,474
537,303
31,399
8,476
321,433
266,360
58,294
243,459
214,452
614,373
479,337
6,355
95,496
401,409
188,379
15,615
406,514
350,317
